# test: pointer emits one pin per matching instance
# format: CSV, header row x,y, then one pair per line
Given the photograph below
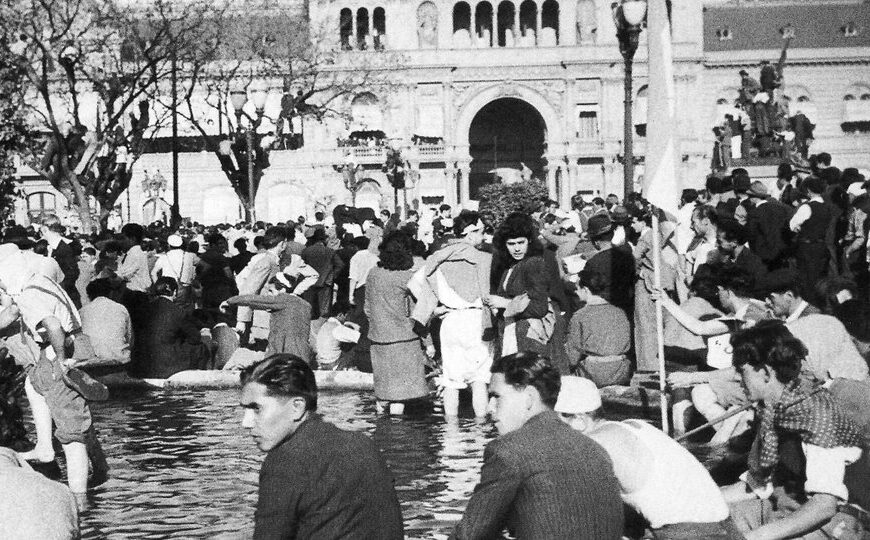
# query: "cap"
x,y
856,189
578,395
757,189
174,241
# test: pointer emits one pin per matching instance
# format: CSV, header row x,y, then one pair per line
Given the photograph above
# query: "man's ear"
x,y
299,408
530,396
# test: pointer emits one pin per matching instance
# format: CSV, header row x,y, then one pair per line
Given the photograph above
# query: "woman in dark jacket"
x,y
523,288
170,340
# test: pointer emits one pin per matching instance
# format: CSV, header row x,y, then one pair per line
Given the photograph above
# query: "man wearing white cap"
x,y
178,264
659,478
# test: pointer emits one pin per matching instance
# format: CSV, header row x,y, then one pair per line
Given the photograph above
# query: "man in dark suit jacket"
x,y
328,264
63,253
317,481
767,227
540,479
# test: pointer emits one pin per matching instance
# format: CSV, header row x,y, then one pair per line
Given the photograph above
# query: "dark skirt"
x,y
398,371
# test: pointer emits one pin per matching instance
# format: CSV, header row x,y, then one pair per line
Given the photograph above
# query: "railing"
x,y
429,149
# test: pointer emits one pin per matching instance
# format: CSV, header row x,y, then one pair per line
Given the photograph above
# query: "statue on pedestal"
x,y
155,207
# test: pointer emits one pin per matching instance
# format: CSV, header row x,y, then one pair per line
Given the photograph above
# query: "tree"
x,y
499,200
13,129
262,47
94,69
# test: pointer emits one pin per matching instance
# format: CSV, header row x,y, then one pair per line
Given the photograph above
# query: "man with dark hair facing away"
x,y
599,334
317,481
540,478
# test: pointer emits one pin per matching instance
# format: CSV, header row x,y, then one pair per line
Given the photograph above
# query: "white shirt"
x,y
803,213
134,269
177,264
361,264
107,324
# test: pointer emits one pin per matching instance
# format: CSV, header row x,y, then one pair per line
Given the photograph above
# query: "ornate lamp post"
x,y
628,16
238,99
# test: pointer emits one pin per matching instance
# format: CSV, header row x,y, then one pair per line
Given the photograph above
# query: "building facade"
x,y
482,86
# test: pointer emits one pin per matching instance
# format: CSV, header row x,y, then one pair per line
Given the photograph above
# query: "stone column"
x,y
538,11
464,185
451,179
552,165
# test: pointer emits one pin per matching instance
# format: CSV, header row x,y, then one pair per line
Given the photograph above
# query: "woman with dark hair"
x,y
396,349
806,446
522,286
169,341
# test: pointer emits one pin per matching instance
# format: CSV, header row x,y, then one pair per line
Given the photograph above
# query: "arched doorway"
x,y
505,133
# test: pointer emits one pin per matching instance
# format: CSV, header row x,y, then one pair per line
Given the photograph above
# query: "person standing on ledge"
x,y
540,478
317,481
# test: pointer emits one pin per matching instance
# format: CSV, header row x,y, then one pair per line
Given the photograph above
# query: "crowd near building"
x,y
483,86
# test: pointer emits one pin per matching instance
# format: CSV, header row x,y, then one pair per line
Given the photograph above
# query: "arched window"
x,y
856,109
483,24
803,104
362,29
528,24
461,25
41,203
345,29
549,24
379,20
366,112
505,19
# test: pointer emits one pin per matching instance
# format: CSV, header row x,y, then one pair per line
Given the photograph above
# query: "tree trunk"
x,y
81,203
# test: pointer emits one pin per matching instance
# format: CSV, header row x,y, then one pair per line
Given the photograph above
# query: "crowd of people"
x,y
766,334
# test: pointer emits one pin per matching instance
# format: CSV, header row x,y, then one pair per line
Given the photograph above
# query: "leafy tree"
x,y
261,47
13,129
500,200
94,69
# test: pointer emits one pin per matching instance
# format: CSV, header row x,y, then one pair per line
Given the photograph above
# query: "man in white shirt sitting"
x,y
107,324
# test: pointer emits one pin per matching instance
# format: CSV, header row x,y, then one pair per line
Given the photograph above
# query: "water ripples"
x,y
183,467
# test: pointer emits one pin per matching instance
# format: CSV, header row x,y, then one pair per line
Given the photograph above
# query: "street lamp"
x,y
238,99
628,15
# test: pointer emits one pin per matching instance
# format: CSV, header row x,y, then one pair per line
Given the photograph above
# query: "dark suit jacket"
x,y
544,481
69,263
169,342
767,228
325,260
326,483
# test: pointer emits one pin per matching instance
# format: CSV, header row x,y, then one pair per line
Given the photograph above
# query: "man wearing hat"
x,y
614,264
854,242
657,477
178,264
767,227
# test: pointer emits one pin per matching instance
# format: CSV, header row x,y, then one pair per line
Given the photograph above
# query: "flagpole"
x,y
660,332
661,180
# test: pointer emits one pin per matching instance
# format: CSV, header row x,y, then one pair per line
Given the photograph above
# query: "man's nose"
x,y
490,406
248,419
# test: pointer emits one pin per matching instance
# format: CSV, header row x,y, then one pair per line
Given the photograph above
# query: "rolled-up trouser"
x,y
69,410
